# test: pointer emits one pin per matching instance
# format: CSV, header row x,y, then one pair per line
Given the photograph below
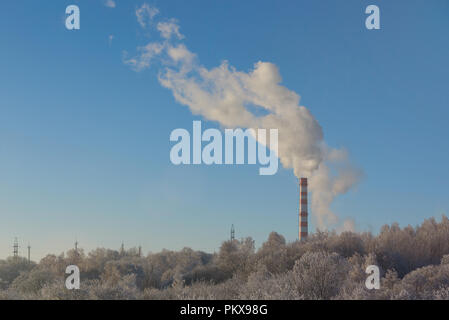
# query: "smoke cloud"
x,y
229,97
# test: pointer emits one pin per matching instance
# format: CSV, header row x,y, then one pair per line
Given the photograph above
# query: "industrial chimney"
x,y
303,212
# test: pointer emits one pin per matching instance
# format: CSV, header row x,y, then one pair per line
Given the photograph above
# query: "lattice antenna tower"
x,y
16,248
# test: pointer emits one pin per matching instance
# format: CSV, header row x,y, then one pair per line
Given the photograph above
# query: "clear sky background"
x,y
84,140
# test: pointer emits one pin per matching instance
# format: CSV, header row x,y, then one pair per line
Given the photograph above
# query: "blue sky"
x,y
84,139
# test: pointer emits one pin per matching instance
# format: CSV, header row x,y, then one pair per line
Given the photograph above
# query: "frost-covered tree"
x,y
11,268
319,275
236,257
273,254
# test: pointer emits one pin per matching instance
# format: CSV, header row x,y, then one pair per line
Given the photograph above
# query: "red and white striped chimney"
x,y
303,211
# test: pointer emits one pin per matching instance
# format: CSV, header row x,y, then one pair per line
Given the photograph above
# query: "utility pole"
x,y
232,233
29,253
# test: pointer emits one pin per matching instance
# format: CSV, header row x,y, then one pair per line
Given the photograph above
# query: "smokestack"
x,y
303,211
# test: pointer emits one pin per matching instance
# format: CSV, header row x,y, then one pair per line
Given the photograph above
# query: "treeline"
x,y
414,264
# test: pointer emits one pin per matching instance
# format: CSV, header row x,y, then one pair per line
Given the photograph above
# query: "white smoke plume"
x,y
109,3
227,96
